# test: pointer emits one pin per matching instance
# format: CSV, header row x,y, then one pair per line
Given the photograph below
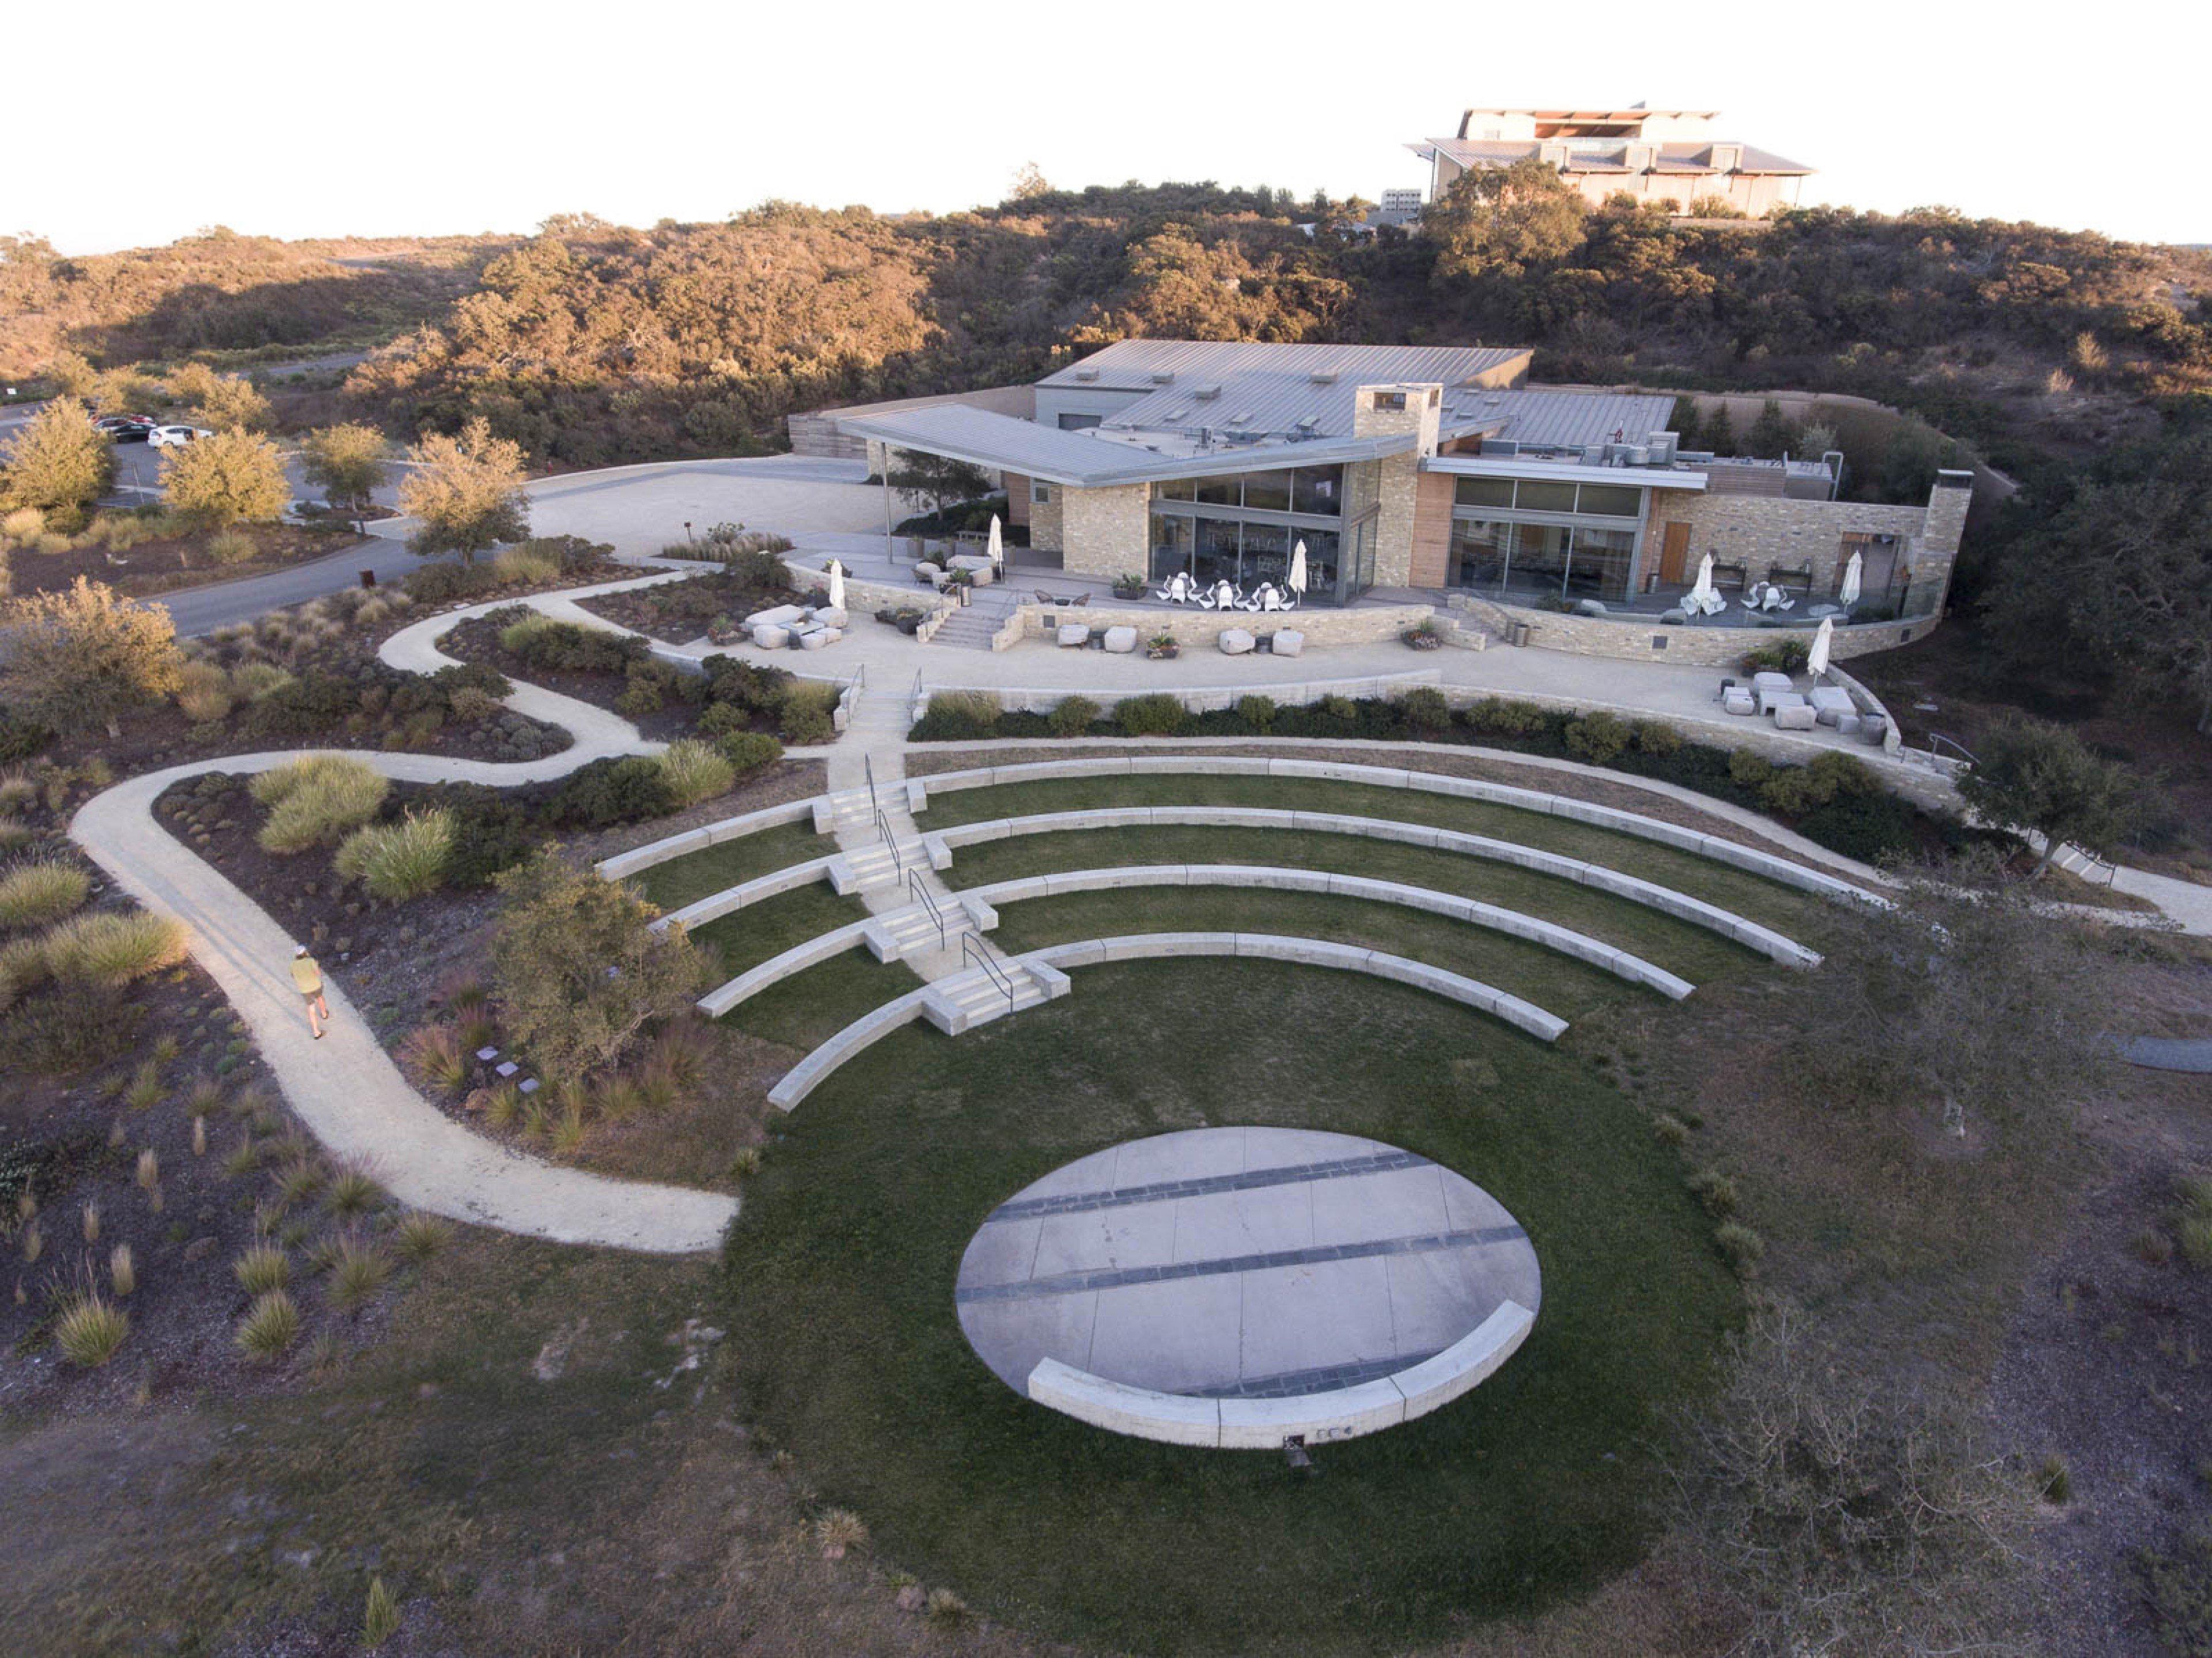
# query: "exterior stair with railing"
x,y
978,996
915,931
970,629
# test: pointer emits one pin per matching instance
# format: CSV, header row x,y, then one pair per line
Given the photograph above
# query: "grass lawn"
x,y
809,1007
1701,877
697,875
1697,955
839,1279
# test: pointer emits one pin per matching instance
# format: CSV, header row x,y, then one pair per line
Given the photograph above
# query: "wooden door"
x,y
1674,555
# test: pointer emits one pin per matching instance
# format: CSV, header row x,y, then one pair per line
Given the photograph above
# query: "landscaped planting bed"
x,y
678,612
1753,896
840,1272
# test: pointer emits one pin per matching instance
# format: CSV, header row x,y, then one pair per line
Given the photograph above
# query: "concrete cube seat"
x,y
828,616
1590,607
1073,635
1794,717
1736,699
812,639
778,615
770,636
1873,726
1673,618
1236,641
1831,696
1121,641
1286,641
1768,679
1770,699
1847,725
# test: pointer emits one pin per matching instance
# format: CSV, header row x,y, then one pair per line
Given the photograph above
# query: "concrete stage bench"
x,y
1552,936
724,997
1316,1418
806,1076
832,869
1750,859
1767,942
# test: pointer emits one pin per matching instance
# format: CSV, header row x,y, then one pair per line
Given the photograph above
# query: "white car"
x,y
163,437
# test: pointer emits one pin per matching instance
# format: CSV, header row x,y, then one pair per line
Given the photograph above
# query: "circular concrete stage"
x,y
1245,1264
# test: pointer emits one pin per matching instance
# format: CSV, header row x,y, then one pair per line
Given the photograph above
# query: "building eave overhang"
x,y
1515,466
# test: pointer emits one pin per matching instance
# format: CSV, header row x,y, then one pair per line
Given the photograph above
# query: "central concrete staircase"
x,y
970,629
980,995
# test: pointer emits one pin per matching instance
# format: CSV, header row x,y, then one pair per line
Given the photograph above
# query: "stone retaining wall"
x,y
1187,625
1646,639
1198,699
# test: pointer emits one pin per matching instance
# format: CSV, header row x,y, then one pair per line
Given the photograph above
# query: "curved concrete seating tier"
x,y
1749,858
1565,940
980,905
752,892
1772,944
1267,1424
804,1078
698,840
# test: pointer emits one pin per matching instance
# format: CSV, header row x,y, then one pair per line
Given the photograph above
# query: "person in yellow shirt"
x,y
307,980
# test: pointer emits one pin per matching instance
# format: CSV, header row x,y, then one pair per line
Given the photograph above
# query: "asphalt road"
x,y
202,610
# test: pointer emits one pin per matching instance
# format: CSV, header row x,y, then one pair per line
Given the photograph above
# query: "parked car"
x,y
126,429
164,437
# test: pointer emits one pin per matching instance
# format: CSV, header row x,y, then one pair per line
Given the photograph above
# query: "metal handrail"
x,y
972,946
874,806
884,829
930,906
1965,754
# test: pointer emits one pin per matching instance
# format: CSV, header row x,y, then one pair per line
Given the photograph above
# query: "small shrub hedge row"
x,y
1835,800
544,558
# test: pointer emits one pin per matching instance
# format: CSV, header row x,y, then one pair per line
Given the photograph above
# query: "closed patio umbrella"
x,y
1297,579
997,548
1849,593
1816,659
1702,594
836,585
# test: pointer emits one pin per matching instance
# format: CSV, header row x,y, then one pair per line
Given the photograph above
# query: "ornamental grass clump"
x,y
420,1235
317,801
90,1331
401,860
37,895
269,1327
359,1269
262,1268
695,771
112,948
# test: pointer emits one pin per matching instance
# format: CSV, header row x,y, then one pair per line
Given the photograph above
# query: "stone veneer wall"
x,y
1764,530
1103,532
1045,524
1638,640
1363,625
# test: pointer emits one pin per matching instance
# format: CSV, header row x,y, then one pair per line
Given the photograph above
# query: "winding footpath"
x,y
354,1098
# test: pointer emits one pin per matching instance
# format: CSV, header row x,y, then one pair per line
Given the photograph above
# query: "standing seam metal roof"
x,y
1558,419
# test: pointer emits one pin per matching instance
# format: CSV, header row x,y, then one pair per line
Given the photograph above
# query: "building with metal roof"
x,y
1677,158
1391,466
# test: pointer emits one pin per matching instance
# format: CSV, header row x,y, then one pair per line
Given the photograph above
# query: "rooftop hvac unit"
x,y
1163,376
1664,445
1639,454
1176,414
1206,393
1324,377
1087,373
1595,453
1500,446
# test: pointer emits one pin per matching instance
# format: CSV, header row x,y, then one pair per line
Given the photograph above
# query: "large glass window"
x,y
1171,540
1535,495
1267,492
1484,492
1214,558
1221,491
1177,489
1079,422
1318,490
1598,567
1540,553
1610,501
1480,551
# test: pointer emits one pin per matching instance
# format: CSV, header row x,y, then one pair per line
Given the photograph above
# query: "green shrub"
x,y
1071,716
1714,1190
965,714
317,801
22,967
749,752
1740,1246
1599,738
1783,656
804,712
1499,716
695,771
1157,714
520,567
1425,710
232,547
1749,770
401,860
446,583
1257,711
612,792
1655,737
33,894
113,948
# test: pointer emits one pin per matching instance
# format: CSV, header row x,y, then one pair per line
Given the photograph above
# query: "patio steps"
x,y
969,629
912,931
866,868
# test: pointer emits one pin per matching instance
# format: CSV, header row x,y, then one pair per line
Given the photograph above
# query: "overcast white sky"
x,y
414,117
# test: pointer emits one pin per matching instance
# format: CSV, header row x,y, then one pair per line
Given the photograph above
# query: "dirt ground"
x,y
173,562
678,612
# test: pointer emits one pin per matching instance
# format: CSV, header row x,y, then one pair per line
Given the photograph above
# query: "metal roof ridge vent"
x,y
1087,373
1324,377
1163,376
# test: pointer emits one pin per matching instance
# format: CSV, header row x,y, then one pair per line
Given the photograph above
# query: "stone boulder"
x,y
1122,641
1286,641
1236,641
1072,636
